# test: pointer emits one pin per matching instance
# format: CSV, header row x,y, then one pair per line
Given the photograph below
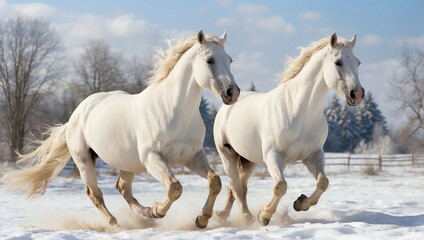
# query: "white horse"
x,y
152,131
286,124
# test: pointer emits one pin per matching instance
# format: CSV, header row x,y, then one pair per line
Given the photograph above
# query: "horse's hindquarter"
x,y
237,125
105,122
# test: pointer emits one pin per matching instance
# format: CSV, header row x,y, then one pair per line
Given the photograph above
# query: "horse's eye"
x,y
231,60
339,63
210,60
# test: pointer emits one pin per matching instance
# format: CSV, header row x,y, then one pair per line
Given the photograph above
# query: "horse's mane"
x,y
165,60
295,65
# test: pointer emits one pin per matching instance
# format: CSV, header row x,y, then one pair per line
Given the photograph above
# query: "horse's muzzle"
x,y
231,95
355,97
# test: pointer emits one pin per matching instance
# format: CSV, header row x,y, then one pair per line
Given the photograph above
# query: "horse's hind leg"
x,y
88,175
124,186
246,169
200,165
231,161
315,165
157,167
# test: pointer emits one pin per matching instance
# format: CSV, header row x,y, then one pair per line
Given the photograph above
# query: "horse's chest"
x,y
303,143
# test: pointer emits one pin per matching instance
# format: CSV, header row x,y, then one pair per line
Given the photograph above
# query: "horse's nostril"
x,y
229,93
353,94
363,93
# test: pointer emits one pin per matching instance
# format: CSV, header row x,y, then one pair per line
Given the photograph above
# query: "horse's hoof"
x,y
155,213
199,225
262,220
297,205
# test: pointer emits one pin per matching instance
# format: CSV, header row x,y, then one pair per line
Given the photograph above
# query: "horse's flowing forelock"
x,y
164,61
295,65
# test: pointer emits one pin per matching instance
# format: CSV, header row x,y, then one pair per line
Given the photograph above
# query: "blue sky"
x,y
261,34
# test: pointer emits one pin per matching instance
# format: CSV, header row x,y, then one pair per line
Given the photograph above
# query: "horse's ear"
x,y
223,38
200,36
333,40
352,41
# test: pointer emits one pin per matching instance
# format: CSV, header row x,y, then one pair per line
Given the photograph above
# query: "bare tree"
x,y
29,57
99,69
408,92
138,71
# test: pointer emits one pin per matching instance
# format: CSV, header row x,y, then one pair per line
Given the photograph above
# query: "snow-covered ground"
x,y
356,206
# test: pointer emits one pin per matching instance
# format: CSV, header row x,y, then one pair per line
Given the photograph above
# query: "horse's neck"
x,y
306,93
179,92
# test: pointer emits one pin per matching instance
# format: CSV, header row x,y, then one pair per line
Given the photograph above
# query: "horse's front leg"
x,y
275,165
157,167
200,165
124,186
315,164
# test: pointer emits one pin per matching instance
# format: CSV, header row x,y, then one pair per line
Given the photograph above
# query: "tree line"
x,y
40,86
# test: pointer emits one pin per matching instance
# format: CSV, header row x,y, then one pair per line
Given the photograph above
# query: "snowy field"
x,y
389,205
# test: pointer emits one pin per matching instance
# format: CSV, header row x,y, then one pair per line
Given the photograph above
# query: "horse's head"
x,y
341,70
211,68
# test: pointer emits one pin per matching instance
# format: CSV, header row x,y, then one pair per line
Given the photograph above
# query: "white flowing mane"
x,y
165,60
295,65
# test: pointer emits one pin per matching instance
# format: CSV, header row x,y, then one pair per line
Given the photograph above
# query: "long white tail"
x,y
41,165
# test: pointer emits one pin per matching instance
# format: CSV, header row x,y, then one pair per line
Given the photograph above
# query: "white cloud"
x,y
36,10
251,67
310,16
372,40
224,2
275,24
376,77
226,22
410,41
251,9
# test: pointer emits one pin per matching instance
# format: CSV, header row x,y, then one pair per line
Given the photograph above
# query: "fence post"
x,y
380,162
413,160
348,162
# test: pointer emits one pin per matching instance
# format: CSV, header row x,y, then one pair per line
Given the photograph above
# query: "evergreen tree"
x,y
372,123
208,113
332,114
349,129
377,117
366,125
252,87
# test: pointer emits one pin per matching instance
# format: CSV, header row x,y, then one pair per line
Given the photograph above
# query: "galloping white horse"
x,y
152,131
286,124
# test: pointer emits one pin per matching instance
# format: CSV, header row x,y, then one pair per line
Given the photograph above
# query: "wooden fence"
x,y
374,160
351,162
337,161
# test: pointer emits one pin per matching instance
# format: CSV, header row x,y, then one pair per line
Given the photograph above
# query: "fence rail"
x,y
374,160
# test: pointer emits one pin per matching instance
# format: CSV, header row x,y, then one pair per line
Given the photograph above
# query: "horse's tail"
x,y
41,165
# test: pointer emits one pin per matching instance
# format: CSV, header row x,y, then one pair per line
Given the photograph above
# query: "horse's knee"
x,y
322,183
175,190
280,188
215,184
